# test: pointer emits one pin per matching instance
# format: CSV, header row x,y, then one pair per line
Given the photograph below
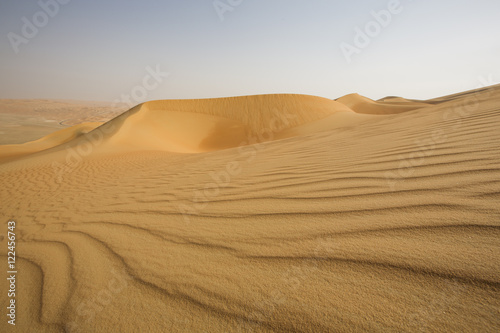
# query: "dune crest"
x,y
361,104
8,152
203,125
194,126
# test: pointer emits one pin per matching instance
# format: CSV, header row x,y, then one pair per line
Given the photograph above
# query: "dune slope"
x,y
388,223
10,152
361,104
194,126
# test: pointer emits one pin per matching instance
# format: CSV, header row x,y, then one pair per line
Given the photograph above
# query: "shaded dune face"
x,y
175,131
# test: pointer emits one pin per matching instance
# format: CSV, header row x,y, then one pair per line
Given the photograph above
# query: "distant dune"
x,y
269,213
361,104
193,126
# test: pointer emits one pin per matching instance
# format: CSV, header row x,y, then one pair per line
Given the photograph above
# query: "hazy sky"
x,y
103,50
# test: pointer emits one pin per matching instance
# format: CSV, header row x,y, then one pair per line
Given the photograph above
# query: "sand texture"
x,y
271,213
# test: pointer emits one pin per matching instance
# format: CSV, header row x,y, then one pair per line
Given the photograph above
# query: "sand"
x,y
272,213
364,105
11,152
27,120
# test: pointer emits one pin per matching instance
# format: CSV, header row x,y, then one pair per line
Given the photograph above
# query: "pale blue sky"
x,y
99,50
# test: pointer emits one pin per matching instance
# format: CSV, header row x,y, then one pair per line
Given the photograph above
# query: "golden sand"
x,y
272,213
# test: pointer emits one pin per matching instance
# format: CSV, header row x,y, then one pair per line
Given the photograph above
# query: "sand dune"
x,y
193,126
9,152
376,220
361,104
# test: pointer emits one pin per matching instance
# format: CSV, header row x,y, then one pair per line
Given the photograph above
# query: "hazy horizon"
x,y
103,51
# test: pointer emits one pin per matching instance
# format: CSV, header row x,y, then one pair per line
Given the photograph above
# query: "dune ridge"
x,y
194,126
361,104
382,223
9,152
213,124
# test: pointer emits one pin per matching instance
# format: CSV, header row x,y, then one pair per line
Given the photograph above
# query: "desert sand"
x,y
26,120
270,213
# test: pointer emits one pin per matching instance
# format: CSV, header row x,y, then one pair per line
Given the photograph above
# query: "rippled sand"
x,y
341,216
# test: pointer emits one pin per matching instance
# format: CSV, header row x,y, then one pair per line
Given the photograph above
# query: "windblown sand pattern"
x,y
342,216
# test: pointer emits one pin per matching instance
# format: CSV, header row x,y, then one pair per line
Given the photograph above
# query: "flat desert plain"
x,y
269,213
27,120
